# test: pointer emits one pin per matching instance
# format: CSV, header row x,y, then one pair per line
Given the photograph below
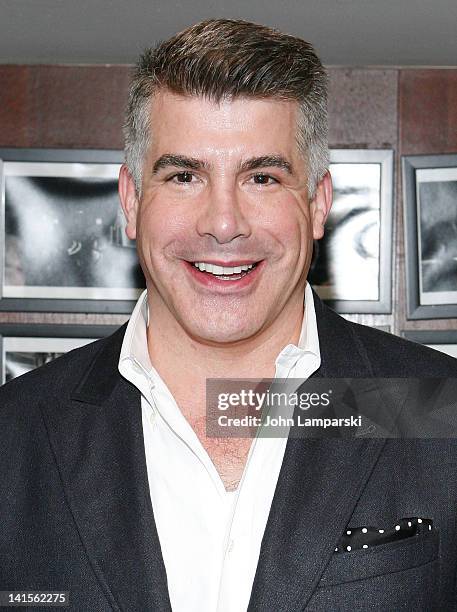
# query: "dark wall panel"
x,y
428,111
363,108
62,106
14,106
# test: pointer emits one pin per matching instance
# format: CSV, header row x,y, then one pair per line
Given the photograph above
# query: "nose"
x,y
222,216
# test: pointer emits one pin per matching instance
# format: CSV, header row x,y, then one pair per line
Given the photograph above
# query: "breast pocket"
x,y
402,575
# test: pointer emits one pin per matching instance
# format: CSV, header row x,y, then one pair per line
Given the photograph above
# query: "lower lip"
x,y
213,282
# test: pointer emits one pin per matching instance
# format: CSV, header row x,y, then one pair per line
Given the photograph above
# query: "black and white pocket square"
x,y
357,538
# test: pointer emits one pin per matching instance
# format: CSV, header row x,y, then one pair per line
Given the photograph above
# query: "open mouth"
x,y
239,274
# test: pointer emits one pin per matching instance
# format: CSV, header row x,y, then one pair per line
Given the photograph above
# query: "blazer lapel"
x,y
318,487
98,444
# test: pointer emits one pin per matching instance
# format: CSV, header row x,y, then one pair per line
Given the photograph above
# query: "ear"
x,y
321,204
129,200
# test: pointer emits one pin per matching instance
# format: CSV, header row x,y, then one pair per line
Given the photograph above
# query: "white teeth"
x,y
221,270
215,269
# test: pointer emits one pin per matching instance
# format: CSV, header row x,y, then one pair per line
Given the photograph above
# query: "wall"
x,y
413,111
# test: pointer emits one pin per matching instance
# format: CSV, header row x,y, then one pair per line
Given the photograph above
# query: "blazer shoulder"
x,y
352,349
392,356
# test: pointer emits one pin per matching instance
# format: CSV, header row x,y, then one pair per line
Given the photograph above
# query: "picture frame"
x,y
64,247
430,219
440,340
24,346
352,263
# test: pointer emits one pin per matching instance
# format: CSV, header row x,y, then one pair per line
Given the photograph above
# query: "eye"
x,y
182,177
263,179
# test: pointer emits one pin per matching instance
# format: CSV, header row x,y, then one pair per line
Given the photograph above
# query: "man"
x,y
111,489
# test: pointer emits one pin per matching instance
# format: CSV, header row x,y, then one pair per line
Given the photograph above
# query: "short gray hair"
x,y
225,58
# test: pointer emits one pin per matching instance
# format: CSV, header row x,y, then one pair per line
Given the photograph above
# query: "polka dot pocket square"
x,y
357,538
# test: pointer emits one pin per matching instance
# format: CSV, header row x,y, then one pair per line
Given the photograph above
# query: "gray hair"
x,y
225,58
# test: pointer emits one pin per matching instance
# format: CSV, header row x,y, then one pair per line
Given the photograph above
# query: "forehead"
x,y
188,123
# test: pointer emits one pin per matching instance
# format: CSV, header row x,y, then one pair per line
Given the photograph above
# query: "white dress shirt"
x,y
210,538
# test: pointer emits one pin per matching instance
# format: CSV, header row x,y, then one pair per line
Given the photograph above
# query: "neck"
x,y
185,364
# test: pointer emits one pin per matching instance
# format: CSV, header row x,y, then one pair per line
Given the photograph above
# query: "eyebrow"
x,y
264,161
178,161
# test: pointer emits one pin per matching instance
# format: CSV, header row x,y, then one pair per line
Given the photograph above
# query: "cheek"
x,y
160,229
288,223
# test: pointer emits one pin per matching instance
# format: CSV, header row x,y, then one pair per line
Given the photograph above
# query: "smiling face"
x,y
224,184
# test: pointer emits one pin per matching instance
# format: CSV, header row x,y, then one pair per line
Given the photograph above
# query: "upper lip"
x,y
227,264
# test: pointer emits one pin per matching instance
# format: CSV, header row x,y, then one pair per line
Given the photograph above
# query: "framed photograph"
x,y
440,340
430,210
352,263
24,347
63,242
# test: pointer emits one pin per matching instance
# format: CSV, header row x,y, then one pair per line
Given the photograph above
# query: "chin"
x,y
216,332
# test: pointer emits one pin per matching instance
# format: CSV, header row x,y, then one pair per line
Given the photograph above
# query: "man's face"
x,y
224,184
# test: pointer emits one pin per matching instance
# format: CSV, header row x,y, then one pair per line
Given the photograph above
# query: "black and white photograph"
x,y
20,355
431,235
352,262
437,217
24,347
65,233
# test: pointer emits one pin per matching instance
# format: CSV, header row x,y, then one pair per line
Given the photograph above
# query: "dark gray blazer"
x,y
76,515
